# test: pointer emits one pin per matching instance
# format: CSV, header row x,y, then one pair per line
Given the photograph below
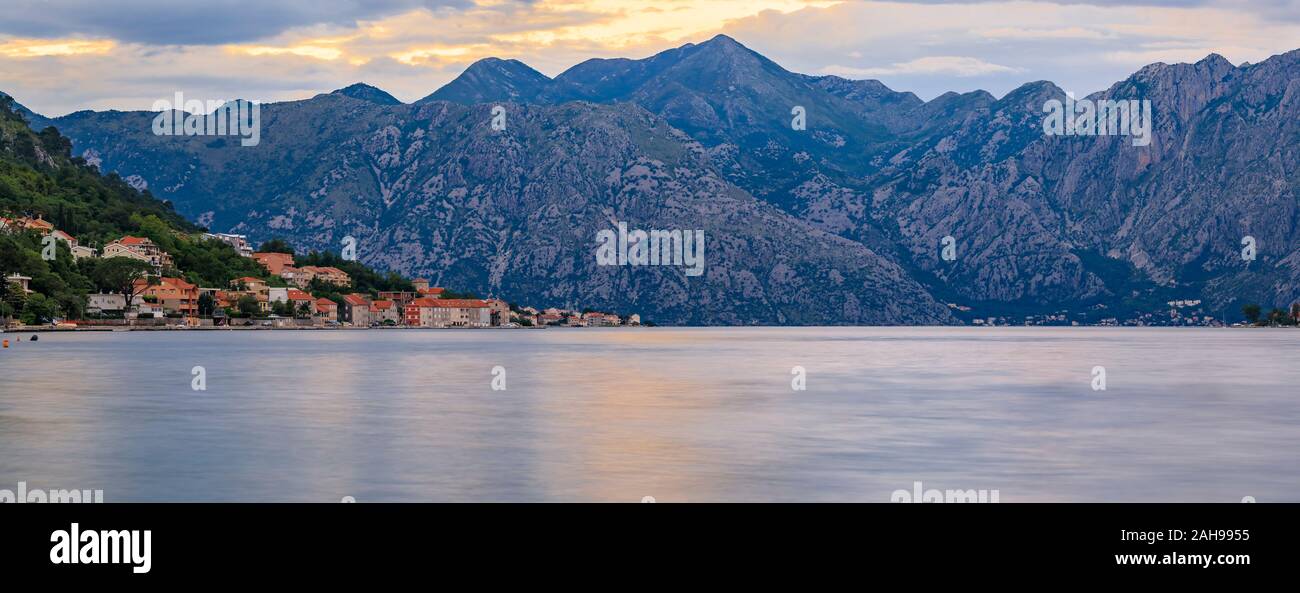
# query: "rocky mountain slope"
x,y
840,222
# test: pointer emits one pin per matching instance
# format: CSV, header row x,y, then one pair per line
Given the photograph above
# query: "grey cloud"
x,y
1166,3
185,22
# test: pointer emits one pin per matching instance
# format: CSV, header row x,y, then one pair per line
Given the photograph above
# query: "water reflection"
x,y
678,414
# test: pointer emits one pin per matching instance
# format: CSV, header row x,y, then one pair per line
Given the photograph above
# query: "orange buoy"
x,y
6,343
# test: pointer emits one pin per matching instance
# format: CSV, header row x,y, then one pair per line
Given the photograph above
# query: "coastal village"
x,y
286,296
292,296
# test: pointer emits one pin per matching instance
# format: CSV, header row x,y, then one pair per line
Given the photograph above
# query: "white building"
x,y
98,303
239,242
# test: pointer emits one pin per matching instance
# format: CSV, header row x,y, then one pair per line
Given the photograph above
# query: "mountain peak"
x,y
35,120
1215,59
492,79
369,93
725,45
722,39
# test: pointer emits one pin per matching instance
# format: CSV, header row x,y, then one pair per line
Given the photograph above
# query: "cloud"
x,y
1048,33
951,65
32,48
64,55
182,22
930,49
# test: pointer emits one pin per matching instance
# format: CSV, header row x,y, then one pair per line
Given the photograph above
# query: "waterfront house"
x,y
416,310
431,312
105,303
355,310
598,319
382,311
498,311
171,295
327,309
301,302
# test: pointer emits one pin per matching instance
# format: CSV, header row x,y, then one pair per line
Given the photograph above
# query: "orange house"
x,y
327,309
297,298
274,262
174,295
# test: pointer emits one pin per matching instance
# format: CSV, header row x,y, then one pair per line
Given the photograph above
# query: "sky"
x,y
60,56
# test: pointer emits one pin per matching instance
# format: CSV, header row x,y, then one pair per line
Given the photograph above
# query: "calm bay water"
x,y
701,414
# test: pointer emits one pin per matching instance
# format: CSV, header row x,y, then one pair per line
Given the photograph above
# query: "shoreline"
x,y
176,328
405,328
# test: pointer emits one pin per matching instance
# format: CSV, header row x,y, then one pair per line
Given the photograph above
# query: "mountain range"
x,y
841,222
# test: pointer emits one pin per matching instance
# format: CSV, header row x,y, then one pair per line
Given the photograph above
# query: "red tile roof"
x,y
354,299
274,262
453,303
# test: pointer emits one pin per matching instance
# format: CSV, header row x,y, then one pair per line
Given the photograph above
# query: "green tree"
x,y
207,304
276,245
119,275
1251,311
156,230
39,310
14,298
248,305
